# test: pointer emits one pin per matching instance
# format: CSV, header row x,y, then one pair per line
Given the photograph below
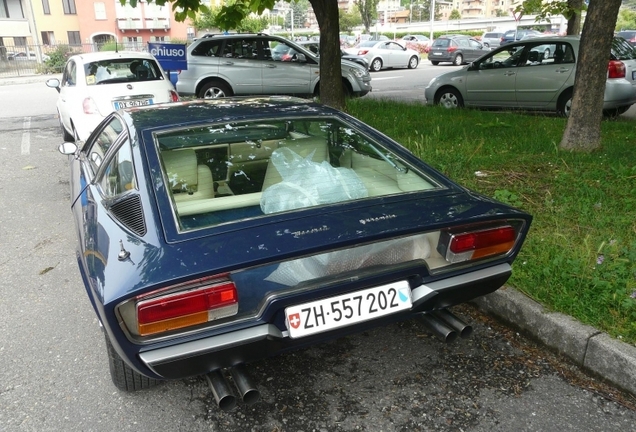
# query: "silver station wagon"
x,y
534,74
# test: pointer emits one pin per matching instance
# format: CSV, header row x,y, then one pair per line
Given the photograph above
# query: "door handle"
x,y
228,63
509,73
271,66
562,70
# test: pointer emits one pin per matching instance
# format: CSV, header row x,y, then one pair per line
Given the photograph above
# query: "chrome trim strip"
x,y
211,344
264,331
423,292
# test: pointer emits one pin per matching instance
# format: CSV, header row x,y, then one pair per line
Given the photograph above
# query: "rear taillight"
x,y
193,304
174,97
474,242
363,52
616,69
88,105
451,49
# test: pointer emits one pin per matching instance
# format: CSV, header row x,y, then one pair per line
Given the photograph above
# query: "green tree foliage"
x,y
422,9
349,20
455,15
299,9
570,9
368,12
207,20
626,19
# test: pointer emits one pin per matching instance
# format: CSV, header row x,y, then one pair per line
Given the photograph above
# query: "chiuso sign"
x,y
170,56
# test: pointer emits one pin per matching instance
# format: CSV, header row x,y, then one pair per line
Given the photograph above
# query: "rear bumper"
x,y
267,339
618,93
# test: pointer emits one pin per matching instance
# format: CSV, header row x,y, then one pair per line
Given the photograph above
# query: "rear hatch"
x,y
624,51
119,83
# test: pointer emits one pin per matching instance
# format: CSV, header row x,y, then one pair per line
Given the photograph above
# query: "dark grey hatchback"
x,y
455,49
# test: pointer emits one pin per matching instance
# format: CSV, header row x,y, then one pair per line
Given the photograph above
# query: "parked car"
x,y
514,35
95,84
628,35
222,65
416,39
519,75
215,233
491,39
455,49
25,56
314,47
386,55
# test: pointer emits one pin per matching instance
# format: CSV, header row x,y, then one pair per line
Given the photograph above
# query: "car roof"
x,y
105,55
200,111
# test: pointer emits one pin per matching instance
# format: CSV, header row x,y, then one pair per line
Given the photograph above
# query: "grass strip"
x,y
580,255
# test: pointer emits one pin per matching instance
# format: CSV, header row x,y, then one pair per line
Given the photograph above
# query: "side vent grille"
x,y
129,212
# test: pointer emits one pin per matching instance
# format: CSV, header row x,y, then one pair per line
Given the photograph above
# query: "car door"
x,y
476,50
240,65
288,75
490,82
68,102
397,56
545,71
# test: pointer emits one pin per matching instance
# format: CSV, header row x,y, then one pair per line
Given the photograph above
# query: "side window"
x,y
208,48
474,44
463,43
102,142
119,176
70,74
240,49
503,59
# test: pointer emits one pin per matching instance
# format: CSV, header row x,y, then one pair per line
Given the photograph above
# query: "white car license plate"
x,y
437,53
132,103
343,310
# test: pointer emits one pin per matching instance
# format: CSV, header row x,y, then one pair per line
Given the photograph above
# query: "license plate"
x,y
437,53
347,309
132,103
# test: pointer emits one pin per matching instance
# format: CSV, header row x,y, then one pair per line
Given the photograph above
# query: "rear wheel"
x,y
214,90
413,62
564,104
124,377
434,63
615,112
449,97
458,60
376,65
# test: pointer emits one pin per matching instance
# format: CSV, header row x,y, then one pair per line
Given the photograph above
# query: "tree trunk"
x,y
583,129
574,21
331,90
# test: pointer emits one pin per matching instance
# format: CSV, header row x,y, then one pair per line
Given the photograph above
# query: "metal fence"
x,y
23,60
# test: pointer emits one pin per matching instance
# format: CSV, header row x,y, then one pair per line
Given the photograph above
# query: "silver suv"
x,y
222,65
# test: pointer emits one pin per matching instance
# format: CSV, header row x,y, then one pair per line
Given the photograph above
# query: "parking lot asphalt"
x,y
595,351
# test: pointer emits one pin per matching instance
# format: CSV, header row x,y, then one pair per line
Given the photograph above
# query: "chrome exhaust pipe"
x,y
221,390
464,330
439,328
246,388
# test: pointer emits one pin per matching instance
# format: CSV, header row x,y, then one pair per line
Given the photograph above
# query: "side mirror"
x,y
53,83
301,58
68,148
473,66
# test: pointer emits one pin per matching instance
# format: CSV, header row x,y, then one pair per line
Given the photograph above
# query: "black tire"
x,y
214,90
458,60
413,62
615,112
124,377
564,103
376,65
434,63
65,134
449,97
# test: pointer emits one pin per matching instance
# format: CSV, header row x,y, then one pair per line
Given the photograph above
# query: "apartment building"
x,y
87,23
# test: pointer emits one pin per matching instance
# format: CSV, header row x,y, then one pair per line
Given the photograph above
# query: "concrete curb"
x,y
608,358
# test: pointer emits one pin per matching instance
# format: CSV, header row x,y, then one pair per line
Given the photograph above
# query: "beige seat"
x,y
302,147
188,181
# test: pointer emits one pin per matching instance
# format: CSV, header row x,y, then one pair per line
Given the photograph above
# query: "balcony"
x,y
157,23
129,24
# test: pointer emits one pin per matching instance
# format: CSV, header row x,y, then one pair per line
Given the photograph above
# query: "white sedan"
x,y
386,55
95,84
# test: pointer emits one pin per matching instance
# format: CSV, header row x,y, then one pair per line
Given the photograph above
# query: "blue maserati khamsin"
x,y
217,233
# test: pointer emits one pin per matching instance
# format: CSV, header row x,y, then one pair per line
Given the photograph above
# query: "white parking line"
x,y
26,136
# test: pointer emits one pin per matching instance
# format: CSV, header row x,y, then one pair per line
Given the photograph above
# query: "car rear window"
x,y
622,50
226,172
118,70
441,42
